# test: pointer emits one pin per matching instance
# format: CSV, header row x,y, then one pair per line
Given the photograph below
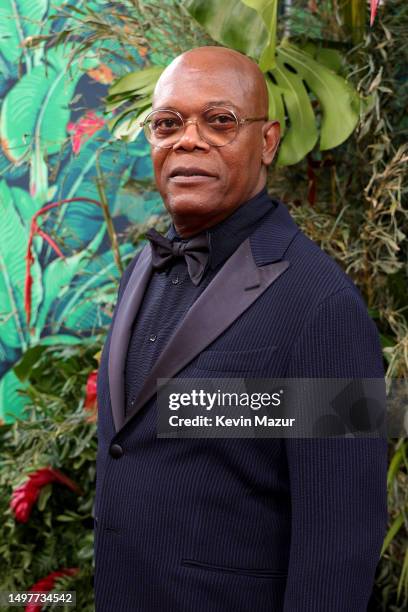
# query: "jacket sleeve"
x,y
338,485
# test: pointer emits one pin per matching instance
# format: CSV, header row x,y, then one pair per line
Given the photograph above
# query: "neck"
x,y
188,226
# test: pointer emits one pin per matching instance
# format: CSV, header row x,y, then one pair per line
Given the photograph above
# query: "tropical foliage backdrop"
x,y
77,195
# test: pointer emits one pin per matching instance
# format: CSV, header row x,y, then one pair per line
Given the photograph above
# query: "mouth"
x,y
190,173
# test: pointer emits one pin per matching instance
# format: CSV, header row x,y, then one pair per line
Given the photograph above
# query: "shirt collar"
x,y
225,237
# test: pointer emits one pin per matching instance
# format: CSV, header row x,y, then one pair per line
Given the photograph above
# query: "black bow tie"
x,y
195,251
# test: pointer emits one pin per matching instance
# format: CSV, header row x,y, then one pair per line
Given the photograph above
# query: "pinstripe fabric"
x,y
213,525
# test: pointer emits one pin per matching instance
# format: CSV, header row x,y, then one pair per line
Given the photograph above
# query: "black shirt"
x,y
170,292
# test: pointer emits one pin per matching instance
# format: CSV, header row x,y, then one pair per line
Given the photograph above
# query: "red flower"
x,y
373,12
24,497
90,397
35,229
83,129
46,584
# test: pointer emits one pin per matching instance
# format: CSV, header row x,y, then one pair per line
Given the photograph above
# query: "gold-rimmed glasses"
x,y
218,126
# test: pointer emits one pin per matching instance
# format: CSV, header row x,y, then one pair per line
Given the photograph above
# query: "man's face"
x,y
236,170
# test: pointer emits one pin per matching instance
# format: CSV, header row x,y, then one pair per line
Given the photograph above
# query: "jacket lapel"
x,y
122,329
240,281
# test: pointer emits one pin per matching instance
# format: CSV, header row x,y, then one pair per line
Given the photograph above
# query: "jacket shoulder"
x,y
315,273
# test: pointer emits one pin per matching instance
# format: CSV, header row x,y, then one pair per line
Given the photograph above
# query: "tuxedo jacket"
x,y
241,524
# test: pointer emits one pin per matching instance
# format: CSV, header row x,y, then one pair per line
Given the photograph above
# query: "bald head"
x,y
231,67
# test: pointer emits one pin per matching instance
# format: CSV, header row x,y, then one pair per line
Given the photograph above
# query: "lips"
x,y
190,171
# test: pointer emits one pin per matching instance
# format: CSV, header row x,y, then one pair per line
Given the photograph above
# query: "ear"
x,y
271,139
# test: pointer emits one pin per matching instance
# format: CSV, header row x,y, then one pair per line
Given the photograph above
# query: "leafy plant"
x,y
56,431
291,73
46,155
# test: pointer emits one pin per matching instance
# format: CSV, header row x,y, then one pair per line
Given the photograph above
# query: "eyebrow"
x,y
206,105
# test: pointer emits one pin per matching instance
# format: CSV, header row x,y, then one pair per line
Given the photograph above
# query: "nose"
x,y
191,138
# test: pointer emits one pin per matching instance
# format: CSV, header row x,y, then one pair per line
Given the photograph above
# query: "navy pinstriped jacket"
x,y
220,525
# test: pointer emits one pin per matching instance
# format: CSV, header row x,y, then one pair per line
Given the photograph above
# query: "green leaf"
x,y
79,311
135,89
16,206
38,174
392,532
23,368
141,82
403,579
59,274
27,559
337,98
13,243
232,24
44,496
66,519
24,204
18,20
11,401
267,9
301,135
276,108
331,58
60,339
398,458
36,110
130,129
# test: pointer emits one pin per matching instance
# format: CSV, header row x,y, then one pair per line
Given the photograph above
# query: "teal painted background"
x,y
52,130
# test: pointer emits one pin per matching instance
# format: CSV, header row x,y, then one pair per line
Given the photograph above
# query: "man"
x,y
237,289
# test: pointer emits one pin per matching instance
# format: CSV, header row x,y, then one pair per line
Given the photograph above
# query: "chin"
x,y
190,203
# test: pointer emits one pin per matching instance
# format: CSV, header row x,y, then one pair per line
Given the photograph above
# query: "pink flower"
x,y
373,12
24,497
83,129
46,584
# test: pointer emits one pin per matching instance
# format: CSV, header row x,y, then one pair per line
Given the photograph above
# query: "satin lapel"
x,y
120,337
236,286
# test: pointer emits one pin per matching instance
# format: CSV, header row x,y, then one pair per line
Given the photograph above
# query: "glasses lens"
x,y
163,128
218,126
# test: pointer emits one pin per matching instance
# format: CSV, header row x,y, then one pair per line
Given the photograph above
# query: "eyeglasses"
x,y
218,126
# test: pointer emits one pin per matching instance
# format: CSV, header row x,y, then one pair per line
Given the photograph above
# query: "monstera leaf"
x,y
336,99
289,100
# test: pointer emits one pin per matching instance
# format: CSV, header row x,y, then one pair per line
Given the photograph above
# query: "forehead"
x,y
189,89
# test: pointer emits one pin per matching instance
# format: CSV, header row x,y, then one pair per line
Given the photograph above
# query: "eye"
x,y
165,124
220,120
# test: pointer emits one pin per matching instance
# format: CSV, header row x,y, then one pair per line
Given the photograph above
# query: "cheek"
x,y
242,162
158,159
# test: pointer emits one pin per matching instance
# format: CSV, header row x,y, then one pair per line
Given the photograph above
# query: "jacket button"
x,y
116,451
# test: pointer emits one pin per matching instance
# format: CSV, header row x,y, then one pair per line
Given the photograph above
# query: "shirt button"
x,y
152,337
116,451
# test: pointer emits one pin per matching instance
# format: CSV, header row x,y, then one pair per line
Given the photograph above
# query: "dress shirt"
x,y
170,292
